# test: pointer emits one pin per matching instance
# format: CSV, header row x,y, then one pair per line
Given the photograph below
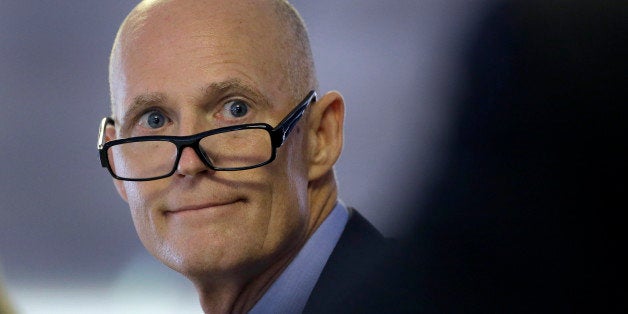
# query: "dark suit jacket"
x,y
362,275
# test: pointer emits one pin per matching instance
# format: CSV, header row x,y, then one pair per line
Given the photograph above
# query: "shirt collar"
x,y
290,292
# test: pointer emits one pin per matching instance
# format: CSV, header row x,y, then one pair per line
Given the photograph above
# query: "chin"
x,y
203,257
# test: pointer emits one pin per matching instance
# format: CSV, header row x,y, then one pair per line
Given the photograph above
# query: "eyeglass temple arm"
x,y
284,128
101,141
101,132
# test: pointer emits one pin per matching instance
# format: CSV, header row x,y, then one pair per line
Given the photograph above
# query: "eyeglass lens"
x,y
234,149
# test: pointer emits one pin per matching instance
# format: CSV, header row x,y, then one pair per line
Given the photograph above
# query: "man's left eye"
x,y
236,108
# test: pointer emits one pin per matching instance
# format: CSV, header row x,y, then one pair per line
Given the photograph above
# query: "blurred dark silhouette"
x,y
525,215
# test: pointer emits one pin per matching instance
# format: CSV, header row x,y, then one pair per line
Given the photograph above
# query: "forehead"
x,y
177,48
161,23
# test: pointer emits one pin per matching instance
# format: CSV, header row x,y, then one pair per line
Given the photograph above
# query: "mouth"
x,y
202,207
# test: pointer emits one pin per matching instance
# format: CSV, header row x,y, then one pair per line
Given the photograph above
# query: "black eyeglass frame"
x,y
277,134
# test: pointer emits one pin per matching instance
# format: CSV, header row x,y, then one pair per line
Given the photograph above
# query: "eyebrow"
x,y
234,86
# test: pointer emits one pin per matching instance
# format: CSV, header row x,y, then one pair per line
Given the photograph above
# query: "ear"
x,y
110,134
325,134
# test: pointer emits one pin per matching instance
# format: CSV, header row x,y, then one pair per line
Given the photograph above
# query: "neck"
x,y
238,293
323,195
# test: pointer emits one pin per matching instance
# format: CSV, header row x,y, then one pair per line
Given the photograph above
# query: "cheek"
x,y
290,187
135,195
142,197
296,162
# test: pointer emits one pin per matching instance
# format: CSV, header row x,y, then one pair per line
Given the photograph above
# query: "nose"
x,y
190,163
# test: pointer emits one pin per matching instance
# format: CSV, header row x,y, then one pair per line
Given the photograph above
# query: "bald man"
x,y
224,152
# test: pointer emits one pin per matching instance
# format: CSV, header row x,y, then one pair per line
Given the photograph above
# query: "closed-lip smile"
x,y
210,205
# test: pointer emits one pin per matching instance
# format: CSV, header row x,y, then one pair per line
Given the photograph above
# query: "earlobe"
x,y
326,121
110,134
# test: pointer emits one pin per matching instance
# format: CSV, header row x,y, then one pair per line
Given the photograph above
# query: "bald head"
x,y
272,28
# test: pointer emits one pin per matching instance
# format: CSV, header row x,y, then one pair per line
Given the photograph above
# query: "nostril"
x,y
190,163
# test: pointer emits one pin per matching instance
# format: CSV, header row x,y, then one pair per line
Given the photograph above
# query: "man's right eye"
x,y
153,120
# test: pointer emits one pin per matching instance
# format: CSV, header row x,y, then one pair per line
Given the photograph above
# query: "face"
x,y
187,71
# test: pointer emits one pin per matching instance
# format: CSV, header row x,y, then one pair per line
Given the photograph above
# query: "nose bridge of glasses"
x,y
191,156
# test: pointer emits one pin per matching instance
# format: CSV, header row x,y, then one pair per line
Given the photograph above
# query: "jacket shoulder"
x,y
363,273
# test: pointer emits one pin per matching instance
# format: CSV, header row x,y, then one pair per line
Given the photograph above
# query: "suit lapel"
x,y
349,267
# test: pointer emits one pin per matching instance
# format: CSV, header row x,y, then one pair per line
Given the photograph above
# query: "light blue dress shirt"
x,y
290,292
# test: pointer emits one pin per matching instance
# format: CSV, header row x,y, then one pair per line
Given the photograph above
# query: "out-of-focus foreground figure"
x,y
5,307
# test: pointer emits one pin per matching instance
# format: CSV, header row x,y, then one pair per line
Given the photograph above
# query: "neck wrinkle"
x,y
216,300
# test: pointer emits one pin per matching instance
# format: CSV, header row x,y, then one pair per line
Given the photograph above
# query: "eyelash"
x,y
222,116
142,121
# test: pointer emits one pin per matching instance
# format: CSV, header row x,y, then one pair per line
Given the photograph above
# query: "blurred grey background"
x,y
66,238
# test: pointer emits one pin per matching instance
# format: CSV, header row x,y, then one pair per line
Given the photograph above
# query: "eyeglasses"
x,y
231,148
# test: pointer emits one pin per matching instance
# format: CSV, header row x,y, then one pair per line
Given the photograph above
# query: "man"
x,y
225,156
